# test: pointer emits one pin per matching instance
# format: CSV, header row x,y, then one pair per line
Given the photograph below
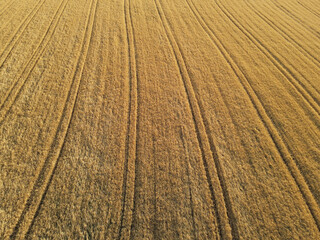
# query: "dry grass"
x,y
159,119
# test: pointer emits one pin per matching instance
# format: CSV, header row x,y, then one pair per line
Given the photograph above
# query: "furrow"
x,y
17,34
17,86
210,161
292,79
314,59
45,173
269,125
6,7
129,174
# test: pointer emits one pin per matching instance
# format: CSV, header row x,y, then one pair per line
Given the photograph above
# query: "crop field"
x,y
159,119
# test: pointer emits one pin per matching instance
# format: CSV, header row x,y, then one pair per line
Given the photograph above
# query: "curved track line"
x,y
16,87
45,173
315,60
267,121
6,7
296,19
214,173
187,166
292,9
298,46
292,79
155,219
309,9
18,33
128,207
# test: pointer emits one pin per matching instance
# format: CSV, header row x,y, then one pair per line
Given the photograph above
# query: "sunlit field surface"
x,y
159,119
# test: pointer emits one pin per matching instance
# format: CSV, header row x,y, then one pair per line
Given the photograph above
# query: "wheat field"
x,y
159,119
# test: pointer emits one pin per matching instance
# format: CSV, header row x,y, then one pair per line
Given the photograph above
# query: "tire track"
x,y
191,202
295,11
18,33
266,120
44,174
155,203
290,76
292,9
309,9
315,60
16,87
214,174
297,19
128,207
6,7
187,165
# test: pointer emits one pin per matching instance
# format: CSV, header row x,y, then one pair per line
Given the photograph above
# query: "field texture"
x,y
159,119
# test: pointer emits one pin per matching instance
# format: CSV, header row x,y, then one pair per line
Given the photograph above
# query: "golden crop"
x,y
159,119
